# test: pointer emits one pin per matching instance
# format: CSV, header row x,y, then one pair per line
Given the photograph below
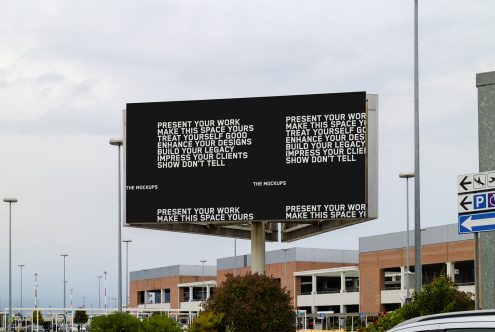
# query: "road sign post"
x,y
485,83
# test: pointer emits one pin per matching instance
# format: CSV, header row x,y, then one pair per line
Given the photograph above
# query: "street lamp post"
x,y
36,290
105,286
203,261
127,272
65,281
99,291
418,269
10,200
407,176
119,142
21,266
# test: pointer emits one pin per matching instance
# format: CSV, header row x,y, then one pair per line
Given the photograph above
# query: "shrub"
x,y
208,322
116,322
160,323
253,302
122,322
441,295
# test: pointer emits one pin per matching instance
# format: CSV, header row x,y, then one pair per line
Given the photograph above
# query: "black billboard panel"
x,y
231,161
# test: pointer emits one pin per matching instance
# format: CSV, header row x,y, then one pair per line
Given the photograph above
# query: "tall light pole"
x,y
417,221
99,291
105,285
65,281
407,176
203,261
127,272
10,200
21,266
119,142
36,290
84,302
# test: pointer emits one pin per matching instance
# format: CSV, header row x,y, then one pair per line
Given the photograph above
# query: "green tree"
x,y
38,317
441,295
80,317
208,322
116,322
160,323
253,302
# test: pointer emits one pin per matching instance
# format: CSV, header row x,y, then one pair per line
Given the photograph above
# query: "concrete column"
x,y
258,247
485,82
162,296
313,293
403,284
190,293
342,291
207,291
450,270
342,282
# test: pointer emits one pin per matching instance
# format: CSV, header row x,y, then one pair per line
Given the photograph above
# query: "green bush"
x,y
116,322
207,322
441,295
253,302
38,317
122,322
160,323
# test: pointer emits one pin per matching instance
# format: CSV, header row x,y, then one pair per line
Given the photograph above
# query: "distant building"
x,y
382,261
343,281
172,287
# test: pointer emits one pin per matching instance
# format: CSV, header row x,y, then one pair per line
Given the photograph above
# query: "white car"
x,y
461,321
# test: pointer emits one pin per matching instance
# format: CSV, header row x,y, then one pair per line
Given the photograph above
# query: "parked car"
x,y
461,321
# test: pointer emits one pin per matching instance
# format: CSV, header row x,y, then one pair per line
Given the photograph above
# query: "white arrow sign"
x,y
475,182
479,222
469,223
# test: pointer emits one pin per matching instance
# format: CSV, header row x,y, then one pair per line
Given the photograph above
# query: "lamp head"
x,y
116,141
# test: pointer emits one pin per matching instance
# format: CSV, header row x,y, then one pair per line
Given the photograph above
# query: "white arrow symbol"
x,y
470,223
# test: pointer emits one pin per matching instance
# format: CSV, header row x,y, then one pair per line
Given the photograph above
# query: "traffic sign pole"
x,y
485,83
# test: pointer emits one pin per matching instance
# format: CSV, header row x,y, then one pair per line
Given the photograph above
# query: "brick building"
x,y
372,279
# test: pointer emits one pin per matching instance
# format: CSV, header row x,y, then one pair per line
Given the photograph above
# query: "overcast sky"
x,y
68,68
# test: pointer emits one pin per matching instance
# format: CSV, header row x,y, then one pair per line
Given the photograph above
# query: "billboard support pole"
x,y
258,247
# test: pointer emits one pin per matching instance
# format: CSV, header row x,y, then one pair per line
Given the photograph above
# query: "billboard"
x,y
293,159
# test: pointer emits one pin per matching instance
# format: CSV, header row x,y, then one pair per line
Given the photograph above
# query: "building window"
x,y
166,294
186,295
141,297
352,284
306,285
391,278
464,273
325,285
154,296
199,293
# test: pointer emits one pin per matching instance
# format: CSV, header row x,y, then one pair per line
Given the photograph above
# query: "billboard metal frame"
x,y
291,230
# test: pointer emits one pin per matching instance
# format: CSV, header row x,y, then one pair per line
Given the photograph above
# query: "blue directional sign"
x,y
476,222
476,202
